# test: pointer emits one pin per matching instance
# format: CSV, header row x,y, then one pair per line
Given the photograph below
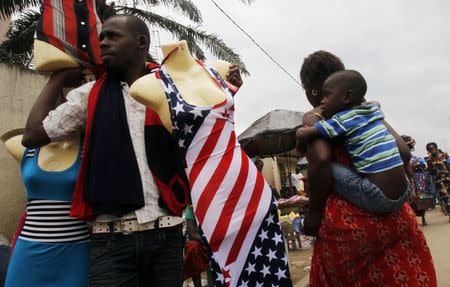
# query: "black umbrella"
x,y
272,134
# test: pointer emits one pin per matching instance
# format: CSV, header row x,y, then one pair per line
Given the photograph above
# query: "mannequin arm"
x,y
12,141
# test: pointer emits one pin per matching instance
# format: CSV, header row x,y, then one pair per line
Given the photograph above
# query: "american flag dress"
x,y
232,202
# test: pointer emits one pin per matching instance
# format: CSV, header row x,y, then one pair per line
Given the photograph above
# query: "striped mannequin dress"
x,y
232,202
52,248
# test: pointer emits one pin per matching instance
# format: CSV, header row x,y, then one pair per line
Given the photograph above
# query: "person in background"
x,y
420,182
258,163
297,181
196,259
439,169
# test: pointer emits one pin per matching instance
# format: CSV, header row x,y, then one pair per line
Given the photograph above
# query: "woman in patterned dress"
x,y
354,247
421,183
439,169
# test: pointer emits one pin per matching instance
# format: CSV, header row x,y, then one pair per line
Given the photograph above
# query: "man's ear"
x,y
142,41
348,99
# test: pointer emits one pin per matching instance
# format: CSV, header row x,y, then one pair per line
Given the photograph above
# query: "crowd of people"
x,y
429,179
108,178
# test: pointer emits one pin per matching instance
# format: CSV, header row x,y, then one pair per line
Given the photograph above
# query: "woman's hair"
x,y
317,67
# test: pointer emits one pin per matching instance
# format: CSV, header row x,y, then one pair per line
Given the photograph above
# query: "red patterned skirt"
x,y
355,248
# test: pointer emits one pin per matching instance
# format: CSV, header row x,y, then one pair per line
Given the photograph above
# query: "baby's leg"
x,y
362,193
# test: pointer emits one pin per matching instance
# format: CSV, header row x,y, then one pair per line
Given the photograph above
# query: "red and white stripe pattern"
x,y
230,197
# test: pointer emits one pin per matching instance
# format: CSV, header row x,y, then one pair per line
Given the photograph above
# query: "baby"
x,y
379,184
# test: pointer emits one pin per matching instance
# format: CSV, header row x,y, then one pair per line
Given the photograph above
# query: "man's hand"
x,y
234,76
71,78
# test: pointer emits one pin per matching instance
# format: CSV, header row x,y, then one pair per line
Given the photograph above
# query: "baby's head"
x,y
341,91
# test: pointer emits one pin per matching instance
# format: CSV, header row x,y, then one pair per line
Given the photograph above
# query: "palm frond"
x,y
186,7
192,35
9,7
21,32
18,47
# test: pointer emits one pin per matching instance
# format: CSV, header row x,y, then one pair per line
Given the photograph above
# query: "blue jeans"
x,y
362,193
145,258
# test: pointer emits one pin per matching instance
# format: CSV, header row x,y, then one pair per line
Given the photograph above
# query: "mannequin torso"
x,y
194,83
48,58
56,156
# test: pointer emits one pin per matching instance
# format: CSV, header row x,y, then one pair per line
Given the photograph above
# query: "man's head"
x,y
124,41
316,68
432,148
343,90
259,163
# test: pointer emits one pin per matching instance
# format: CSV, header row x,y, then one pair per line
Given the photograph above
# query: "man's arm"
x,y
35,134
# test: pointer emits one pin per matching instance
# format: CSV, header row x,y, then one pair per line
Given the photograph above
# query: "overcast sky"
x,y
402,47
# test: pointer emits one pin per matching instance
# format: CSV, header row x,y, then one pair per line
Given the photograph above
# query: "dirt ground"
x,y
299,263
437,233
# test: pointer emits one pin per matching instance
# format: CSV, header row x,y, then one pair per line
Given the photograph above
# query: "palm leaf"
x,y
18,47
21,32
9,7
186,7
191,34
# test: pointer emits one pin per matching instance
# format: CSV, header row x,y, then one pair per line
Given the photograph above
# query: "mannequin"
x,y
194,83
48,58
54,157
230,197
57,254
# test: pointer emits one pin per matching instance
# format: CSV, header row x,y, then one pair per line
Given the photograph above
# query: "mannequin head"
x,y
124,42
316,68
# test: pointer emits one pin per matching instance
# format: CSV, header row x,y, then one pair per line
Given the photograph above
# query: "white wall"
x,y
18,89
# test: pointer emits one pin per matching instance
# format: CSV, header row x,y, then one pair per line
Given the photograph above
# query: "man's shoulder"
x,y
82,90
87,86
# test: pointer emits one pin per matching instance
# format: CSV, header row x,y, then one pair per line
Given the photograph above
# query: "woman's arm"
x,y
319,178
405,152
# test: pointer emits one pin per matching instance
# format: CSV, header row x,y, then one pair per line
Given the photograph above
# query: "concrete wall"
x,y
18,89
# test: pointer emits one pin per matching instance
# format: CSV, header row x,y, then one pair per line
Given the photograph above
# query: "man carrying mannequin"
x,y
135,242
